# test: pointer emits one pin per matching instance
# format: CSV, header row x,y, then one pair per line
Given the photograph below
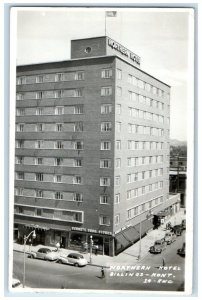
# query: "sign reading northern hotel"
x,y
124,51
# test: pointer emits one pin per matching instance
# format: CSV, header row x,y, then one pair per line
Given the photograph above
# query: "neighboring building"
x,y
178,177
92,148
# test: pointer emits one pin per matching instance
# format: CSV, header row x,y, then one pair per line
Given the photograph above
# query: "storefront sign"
x,y
124,51
83,229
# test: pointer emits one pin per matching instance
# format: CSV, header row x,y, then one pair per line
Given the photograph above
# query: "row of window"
x,y
79,75
57,110
145,100
134,211
142,114
133,177
67,76
79,145
148,130
133,193
62,215
58,214
59,127
105,163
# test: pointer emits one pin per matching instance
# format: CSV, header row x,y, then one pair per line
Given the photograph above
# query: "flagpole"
x,y
105,24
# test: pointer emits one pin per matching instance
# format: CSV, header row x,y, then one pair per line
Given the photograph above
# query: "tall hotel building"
x,y
92,148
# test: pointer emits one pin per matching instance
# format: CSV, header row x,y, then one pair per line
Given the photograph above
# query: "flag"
x,y
111,13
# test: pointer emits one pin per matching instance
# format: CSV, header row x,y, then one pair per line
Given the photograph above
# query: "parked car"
x,y
177,229
75,259
183,224
45,253
181,251
170,237
158,246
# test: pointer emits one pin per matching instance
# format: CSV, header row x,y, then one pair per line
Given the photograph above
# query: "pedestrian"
x,y
96,249
102,272
163,262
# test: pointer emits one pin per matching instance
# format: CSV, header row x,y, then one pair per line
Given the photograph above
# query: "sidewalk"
x,y
129,255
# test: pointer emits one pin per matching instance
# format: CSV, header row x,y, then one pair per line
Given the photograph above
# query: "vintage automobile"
x,y
170,237
44,253
181,251
158,246
75,259
177,229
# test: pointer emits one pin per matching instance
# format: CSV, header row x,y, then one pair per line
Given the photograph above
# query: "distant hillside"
x,y
178,147
177,143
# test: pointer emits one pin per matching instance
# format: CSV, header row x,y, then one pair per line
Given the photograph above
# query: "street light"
x,y
91,247
33,233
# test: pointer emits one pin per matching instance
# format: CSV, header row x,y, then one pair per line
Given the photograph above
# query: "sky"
x,y
161,37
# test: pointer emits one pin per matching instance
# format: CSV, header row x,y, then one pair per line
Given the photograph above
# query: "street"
x,y
143,275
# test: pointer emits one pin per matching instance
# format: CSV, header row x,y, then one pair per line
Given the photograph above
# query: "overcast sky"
x,y
160,37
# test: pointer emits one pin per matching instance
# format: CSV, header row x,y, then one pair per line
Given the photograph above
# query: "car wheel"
x,y
31,256
59,261
76,264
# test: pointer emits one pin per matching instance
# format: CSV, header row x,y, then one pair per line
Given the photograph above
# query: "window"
x,y
78,109
58,94
118,109
105,163
21,80
78,145
59,145
78,197
117,219
20,111
39,161
77,217
119,74
106,91
58,161
19,144
77,180
58,195
104,199
20,210
106,108
39,79
104,220
118,145
105,145
143,190
58,178
19,160
77,163
118,163
59,127
117,198
20,127
39,127
106,126
39,111
38,144
106,73
104,181
39,95
119,91
39,194
39,212
77,93
19,96
20,175
59,77
78,126
118,126
59,110
19,191
79,75
141,84
39,176
117,180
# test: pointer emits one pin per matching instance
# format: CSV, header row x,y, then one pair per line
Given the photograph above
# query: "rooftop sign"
x,y
124,51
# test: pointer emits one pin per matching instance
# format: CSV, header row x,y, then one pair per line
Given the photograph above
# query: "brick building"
x,y
92,148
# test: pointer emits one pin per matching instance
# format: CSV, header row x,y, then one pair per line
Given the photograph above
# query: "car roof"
x,y
76,254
